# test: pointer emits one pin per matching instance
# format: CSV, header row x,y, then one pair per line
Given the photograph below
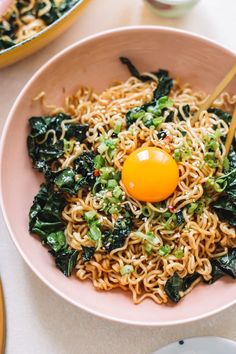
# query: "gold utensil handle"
x,y
219,88
231,132
2,321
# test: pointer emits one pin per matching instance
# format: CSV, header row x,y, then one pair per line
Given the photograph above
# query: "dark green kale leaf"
x,y
116,238
46,221
189,280
226,209
42,227
87,253
232,157
133,70
66,5
186,111
43,154
216,273
150,113
8,31
40,125
65,260
225,116
65,181
176,285
162,134
173,287
227,263
225,205
170,117
20,4
165,84
45,213
77,131
5,44
50,16
179,218
85,166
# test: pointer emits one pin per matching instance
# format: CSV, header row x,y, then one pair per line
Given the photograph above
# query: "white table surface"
x,y
39,321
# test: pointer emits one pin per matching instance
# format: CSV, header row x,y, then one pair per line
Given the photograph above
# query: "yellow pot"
x,y
42,38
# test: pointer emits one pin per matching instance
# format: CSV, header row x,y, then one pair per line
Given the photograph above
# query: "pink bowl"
x,y
94,62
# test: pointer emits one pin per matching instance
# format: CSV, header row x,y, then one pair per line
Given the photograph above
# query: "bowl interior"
x,y
94,62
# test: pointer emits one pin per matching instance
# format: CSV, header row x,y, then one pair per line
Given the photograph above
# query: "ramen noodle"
x,y
154,249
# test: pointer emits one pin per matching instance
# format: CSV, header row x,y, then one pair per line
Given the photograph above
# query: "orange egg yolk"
x,y
150,174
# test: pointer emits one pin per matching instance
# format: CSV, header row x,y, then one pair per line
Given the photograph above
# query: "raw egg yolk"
x,y
150,174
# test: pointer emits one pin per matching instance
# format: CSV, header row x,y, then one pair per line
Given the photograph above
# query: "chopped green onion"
x,y
158,121
218,185
94,232
90,215
182,154
149,237
186,154
99,161
167,214
164,250
137,115
106,173
114,209
179,253
164,102
68,146
148,247
177,155
146,211
117,128
160,205
111,183
56,240
226,164
151,109
210,159
102,147
161,103
126,269
212,145
218,134
117,192
114,200
196,207
192,207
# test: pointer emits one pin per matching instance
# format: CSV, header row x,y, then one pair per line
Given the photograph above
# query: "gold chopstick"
x,y
219,88
231,132
2,321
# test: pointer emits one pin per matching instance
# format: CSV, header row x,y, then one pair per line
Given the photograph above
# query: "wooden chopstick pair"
x,y
219,88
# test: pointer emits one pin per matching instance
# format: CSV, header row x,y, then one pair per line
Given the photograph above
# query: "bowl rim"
x,y
196,339
2,144
45,29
